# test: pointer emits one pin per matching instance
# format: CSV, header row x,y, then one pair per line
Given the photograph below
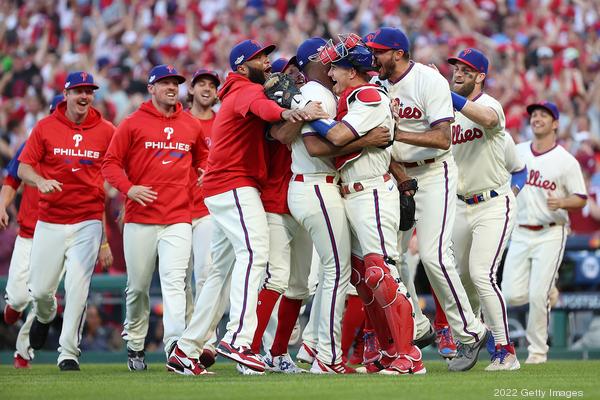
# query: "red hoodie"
x,y
151,149
237,155
71,154
199,209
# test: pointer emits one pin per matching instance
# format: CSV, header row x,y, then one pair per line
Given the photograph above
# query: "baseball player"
x,y
487,204
235,174
371,200
17,295
66,149
554,186
149,160
202,95
422,148
290,250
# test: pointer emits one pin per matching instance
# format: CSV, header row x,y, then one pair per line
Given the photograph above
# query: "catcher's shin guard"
x,y
397,308
375,315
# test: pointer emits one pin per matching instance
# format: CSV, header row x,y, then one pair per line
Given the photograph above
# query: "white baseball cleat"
x,y
319,367
536,359
504,359
243,370
283,364
242,355
306,354
180,363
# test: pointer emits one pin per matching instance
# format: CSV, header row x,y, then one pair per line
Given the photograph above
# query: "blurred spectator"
x,y
96,337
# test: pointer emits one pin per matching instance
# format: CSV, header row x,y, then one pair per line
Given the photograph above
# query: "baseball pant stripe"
x,y
250,259
558,260
80,326
337,272
378,219
268,277
493,272
458,305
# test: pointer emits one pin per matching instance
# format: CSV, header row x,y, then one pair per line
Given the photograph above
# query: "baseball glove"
x,y
407,204
282,89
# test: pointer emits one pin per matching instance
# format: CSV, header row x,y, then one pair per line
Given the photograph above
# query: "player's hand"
x,y
142,194
3,218
200,176
378,137
554,203
49,186
313,111
105,256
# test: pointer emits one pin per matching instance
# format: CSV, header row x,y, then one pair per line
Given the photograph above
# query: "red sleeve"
x,y
112,165
257,103
12,182
34,148
200,155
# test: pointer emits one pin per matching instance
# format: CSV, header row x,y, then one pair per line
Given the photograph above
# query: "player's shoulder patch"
x,y
369,96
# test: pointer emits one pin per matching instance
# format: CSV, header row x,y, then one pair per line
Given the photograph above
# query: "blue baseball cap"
x,y
473,58
207,73
164,71
280,65
309,48
546,105
55,101
80,78
367,38
389,39
246,51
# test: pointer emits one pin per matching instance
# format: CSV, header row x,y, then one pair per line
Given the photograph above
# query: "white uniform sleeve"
x,y
361,117
573,179
438,102
314,92
512,160
497,107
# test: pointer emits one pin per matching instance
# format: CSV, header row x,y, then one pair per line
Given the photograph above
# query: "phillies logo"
x,y
169,131
407,112
458,137
84,76
77,138
170,68
535,179
466,51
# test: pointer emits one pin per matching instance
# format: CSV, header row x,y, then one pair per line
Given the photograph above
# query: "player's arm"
x,y
105,254
569,203
32,178
480,114
574,187
518,179
285,132
317,146
7,195
438,137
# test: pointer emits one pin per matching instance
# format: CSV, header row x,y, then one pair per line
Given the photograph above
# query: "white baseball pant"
x,y
17,294
73,247
142,244
530,271
319,208
479,239
435,212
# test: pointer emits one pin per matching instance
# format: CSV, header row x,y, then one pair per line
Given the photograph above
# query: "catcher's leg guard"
x,y
375,315
397,308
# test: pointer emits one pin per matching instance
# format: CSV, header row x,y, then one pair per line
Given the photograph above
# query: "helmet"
x,y
349,53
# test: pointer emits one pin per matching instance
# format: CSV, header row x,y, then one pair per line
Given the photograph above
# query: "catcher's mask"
x,y
350,52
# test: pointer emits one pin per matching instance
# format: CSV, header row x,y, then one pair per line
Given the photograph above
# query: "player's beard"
x,y
464,89
386,70
256,75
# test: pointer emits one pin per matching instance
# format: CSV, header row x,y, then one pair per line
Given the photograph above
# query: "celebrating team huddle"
x,y
342,154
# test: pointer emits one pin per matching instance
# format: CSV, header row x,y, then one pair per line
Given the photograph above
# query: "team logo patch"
x,y
239,59
77,138
152,78
169,131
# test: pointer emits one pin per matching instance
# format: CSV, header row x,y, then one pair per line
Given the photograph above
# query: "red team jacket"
x,y
274,193
71,154
199,209
151,149
237,155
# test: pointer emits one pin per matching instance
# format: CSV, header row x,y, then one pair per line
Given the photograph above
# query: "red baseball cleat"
x,y
181,364
20,362
445,343
242,355
11,315
319,367
372,349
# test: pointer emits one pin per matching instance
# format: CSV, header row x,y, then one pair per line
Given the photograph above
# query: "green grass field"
x,y
113,381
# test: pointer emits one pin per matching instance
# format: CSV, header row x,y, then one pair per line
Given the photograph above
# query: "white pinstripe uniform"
x,y
486,210
536,251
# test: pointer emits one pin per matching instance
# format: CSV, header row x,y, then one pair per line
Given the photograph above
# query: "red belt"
x,y
359,187
537,227
300,178
418,164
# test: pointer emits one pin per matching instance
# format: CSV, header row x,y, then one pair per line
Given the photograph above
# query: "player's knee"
x,y
20,301
42,297
513,298
430,260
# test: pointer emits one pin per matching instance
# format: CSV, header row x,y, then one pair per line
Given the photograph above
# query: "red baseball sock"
x,y
266,302
354,317
289,309
440,321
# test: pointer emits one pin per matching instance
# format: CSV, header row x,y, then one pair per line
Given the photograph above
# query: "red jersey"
x,y
274,193
151,149
71,154
28,209
199,209
237,154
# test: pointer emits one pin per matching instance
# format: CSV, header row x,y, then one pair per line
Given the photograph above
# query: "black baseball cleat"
x,y
69,365
136,360
426,339
38,333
